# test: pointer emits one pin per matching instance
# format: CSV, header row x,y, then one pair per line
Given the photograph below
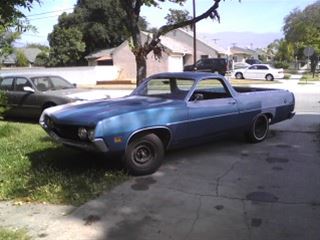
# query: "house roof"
x,y
101,53
239,50
209,42
30,53
175,46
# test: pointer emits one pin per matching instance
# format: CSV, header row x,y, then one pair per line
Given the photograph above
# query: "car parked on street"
x,y
238,65
29,94
214,65
167,110
251,61
259,71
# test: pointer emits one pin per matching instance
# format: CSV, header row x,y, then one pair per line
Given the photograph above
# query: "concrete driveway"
x,y
227,189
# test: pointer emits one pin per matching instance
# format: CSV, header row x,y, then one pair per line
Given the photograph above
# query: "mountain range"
x,y
240,39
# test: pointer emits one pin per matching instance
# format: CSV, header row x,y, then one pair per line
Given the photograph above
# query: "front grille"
x,y
66,131
62,130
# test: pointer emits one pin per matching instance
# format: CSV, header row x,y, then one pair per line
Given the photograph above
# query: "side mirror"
x,y
28,89
198,97
74,84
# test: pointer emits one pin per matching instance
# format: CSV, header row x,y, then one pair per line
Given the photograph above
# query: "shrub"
x,y
283,65
3,103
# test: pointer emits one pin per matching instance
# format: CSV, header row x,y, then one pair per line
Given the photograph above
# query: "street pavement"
x,y
224,190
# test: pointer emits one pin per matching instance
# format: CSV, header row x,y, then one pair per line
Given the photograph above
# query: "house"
x,y
177,48
241,54
30,53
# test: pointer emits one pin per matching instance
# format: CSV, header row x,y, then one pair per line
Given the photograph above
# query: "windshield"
x,y
170,88
46,83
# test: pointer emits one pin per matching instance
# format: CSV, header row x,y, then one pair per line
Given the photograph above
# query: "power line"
x,y
44,13
32,19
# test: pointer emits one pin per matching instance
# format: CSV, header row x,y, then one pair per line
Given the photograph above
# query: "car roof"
x,y
27,75
189,75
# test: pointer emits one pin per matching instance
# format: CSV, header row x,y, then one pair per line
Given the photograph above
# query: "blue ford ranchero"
x,y
165,111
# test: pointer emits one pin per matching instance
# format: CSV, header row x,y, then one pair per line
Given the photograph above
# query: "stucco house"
x,y
177,48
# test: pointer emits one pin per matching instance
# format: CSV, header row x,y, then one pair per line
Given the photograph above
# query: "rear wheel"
x,y
269,77
239,75
144,154
259,129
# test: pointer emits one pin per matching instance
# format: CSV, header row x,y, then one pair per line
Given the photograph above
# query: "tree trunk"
x,y
141,68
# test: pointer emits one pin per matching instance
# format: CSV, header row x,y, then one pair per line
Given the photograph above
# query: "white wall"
x,y
78,75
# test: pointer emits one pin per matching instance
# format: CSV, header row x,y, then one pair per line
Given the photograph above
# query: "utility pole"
x,y
194,34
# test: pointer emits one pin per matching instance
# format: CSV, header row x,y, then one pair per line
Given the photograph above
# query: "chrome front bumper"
x,y
97,145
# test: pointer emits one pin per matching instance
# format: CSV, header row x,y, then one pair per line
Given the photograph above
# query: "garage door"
x,y
175,63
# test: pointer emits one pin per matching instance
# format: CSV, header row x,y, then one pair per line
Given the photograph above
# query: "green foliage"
x,y
22,60
42,59
302,29
284,65
100,22
47,172
3,103
285,51
66,46
177,16
6,234
7,37
11,15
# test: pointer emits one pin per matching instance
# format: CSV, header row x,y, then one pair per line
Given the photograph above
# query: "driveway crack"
x,y
196,218
224,175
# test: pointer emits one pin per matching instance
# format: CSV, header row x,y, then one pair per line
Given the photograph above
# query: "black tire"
x,y
239,75
269,77
144,154
259,129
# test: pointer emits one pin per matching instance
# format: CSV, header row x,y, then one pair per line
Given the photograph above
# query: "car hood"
x,y
91,112
80,93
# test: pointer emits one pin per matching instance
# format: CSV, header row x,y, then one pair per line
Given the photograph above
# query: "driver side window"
x,y
210,89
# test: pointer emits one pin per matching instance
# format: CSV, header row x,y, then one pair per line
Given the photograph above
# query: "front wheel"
x,y
239,75
144,154
259,129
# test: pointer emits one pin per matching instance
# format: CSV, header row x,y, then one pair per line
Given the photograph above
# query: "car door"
x,y
25,102
211,109
251,72
263,70
204,65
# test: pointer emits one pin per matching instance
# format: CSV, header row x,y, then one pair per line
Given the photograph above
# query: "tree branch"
x,y
211,12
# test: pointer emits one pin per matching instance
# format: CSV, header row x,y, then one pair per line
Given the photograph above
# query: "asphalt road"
x,y
224,190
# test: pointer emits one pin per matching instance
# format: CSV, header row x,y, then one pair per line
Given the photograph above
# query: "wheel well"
x,y
269,116
48,104
163,133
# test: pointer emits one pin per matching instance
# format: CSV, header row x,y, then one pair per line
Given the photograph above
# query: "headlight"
x,y
91,134
83,133
86,134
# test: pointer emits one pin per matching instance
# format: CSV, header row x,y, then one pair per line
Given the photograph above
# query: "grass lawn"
x,y
308,78
33,168
6,234
246,82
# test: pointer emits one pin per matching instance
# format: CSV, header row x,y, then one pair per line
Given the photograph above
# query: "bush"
x,y
3,103
283,65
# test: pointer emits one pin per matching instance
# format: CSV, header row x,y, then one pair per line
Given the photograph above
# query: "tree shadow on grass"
x,y
66,176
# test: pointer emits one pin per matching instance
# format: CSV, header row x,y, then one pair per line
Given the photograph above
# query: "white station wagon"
x,y
259,71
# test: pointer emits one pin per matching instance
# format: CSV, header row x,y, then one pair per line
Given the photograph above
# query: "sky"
x,y
257,16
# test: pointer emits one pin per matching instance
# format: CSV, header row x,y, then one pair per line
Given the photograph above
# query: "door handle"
x,y
232,102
